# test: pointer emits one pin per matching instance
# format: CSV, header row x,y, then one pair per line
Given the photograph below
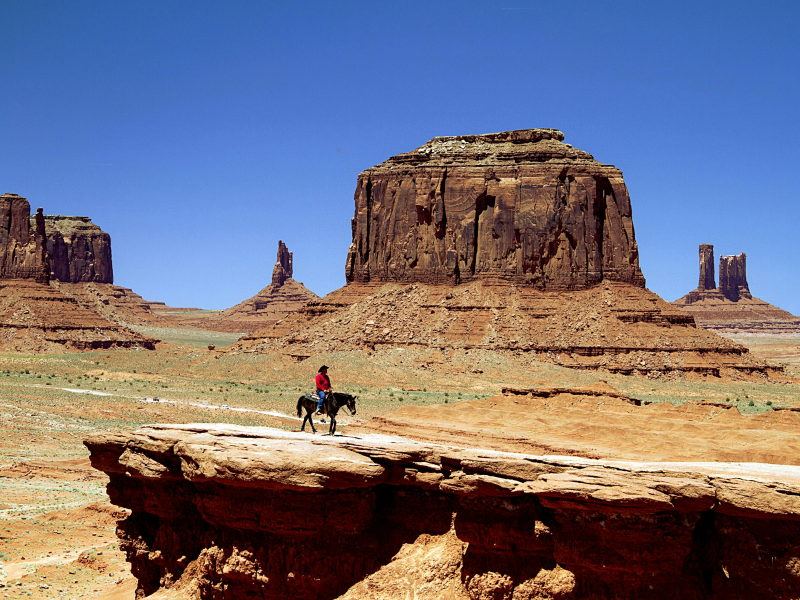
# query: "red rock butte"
x,y
520,205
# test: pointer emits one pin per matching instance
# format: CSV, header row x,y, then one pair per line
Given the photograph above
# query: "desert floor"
x,y
57,535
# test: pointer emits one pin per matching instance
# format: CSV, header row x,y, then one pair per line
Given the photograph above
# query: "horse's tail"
x,y
300,406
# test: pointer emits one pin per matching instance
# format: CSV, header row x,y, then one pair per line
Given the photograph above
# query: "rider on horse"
x,y
323,386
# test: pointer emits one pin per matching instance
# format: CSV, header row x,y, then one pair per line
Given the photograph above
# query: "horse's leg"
x,y
303,427
311,421
333,426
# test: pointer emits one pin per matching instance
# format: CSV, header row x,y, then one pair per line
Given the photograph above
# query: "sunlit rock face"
x,y
520,205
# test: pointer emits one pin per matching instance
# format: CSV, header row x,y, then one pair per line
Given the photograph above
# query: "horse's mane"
x,y
346,396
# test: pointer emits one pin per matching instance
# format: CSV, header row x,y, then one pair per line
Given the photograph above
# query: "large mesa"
x,y
521,206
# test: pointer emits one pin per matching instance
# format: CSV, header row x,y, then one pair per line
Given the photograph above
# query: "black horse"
x,y
333,402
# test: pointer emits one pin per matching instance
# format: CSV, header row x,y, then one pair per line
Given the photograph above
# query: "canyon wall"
x,y
520,206
79,251
23,246
242,512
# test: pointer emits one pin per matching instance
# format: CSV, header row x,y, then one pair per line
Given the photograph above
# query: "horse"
x,y
333,402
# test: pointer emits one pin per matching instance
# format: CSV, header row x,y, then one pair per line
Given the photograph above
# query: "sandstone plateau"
x,y
510,242
731,308
520,206
241,512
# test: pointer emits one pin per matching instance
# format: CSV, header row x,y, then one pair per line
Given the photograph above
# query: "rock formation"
x,y
242,512
706,268
731,307
79,250
511,242
23,246
280,298
733,277
520,206
283,267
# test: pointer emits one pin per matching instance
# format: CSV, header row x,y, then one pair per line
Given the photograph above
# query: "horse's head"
x,y
351,404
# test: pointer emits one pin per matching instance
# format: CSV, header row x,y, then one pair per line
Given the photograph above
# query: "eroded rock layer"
x,y
613,326
23,243
79,251
237,512
520,206
36,317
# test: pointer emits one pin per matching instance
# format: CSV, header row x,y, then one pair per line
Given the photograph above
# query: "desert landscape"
x,y
399,301
531,421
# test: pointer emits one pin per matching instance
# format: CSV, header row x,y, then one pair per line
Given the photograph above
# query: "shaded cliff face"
x,y
79,250
23,249
244,512
520,205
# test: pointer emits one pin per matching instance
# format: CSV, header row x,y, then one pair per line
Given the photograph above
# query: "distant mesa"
x,y
731,307
511,242
37,317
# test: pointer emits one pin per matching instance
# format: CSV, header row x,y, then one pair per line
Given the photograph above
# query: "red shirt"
x,y
323,382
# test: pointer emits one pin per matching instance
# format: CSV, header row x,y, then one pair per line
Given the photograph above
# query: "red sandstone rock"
x,y
706,268
731,307
238,512
519,205
23,246
79,250
733,277
283,268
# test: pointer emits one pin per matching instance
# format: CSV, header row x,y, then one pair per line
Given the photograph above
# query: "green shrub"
x,y
751,403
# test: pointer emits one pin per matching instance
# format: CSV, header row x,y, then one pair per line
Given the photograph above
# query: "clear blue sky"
x,y
199,133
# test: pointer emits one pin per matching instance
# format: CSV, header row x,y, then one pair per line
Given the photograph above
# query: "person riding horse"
x,y
323,386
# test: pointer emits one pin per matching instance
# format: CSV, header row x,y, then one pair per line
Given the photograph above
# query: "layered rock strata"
x,y
237,512
23,243
731,308
521,206
614,327
38,318
79,251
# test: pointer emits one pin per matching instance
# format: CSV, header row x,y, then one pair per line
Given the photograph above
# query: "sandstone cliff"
x,y
79,250
520,206
241,512
731,308
23,246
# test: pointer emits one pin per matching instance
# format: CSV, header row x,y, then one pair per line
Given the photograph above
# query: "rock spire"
x,y
706,268
733,277
283,267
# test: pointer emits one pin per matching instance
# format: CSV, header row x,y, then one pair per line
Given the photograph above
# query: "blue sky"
x,y
199,133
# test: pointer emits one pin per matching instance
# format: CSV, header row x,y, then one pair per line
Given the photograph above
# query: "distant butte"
x,y
509,242
731,307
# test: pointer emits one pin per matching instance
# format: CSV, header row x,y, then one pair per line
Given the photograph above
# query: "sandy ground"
x,y
57,529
